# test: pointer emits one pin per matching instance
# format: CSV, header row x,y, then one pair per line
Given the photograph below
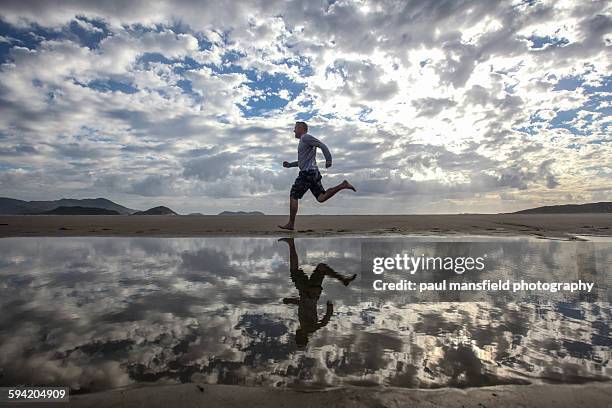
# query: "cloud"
x,y
153,186
430,107
365,80
472,99
211,167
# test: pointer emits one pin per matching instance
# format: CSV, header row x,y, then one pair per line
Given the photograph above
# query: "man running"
x,y
309,289
309,177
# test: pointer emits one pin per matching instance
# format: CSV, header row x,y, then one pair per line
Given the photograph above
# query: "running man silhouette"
x,y
309,177
309,289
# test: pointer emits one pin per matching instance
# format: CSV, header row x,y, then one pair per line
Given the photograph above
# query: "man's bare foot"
x,y
348,185
287,240
346,281
286,226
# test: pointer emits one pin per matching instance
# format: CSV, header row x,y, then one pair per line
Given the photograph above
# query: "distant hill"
x,y
161,210
196,215
241,213
77,210
11,206
601,207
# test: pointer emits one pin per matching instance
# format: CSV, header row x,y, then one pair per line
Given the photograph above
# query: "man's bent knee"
x,y
321,197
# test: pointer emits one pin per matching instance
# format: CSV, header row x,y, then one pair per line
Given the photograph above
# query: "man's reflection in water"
x,y
309,289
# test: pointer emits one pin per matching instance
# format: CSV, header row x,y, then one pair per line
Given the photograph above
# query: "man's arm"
x,y
290,164
313,141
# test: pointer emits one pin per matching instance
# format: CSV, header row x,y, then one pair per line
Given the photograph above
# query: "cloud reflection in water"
x,y
99,313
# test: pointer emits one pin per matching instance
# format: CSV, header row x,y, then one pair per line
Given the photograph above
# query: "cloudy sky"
x,y
427,106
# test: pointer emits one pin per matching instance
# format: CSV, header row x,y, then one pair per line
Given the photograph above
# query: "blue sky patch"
x,y
606,86
111,85
270,85
563,120
31,37
363,115
87,37
148,58
570,83
530,130
303,65
538,42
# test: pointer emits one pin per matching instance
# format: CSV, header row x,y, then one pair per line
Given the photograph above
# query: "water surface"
x,y
99,313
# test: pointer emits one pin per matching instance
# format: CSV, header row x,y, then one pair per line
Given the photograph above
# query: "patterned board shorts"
x,y
307,180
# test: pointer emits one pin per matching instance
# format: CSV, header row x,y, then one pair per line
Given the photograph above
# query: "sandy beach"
x,y
565,226
220,396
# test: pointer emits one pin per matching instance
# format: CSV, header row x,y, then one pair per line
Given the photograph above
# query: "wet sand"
x,y
591,395
565,226
204,395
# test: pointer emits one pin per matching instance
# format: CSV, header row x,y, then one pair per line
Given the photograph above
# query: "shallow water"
x,y
99,313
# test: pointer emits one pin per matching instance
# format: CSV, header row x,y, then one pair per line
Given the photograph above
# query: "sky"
x,y
426,106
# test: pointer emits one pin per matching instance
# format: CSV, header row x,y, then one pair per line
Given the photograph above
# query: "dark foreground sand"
x,y
536,225
592,395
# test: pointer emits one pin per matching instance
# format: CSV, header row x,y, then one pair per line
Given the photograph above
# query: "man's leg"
x,y
323,270
298,276
333,190
293,256
299,187
293,209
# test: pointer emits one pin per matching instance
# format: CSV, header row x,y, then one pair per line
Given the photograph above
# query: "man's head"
x,y
301,128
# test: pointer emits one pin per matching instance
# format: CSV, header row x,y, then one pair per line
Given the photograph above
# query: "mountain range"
x,y
241,213
601,207
103,206
78,210
11,206
161,210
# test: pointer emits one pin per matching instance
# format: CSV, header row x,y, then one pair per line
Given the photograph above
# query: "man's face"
x,y
298,131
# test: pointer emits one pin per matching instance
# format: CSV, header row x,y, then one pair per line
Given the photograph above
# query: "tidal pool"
x,y
99,313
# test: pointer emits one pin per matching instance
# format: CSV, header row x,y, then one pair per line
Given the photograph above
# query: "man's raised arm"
x,y
290,164
313,141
